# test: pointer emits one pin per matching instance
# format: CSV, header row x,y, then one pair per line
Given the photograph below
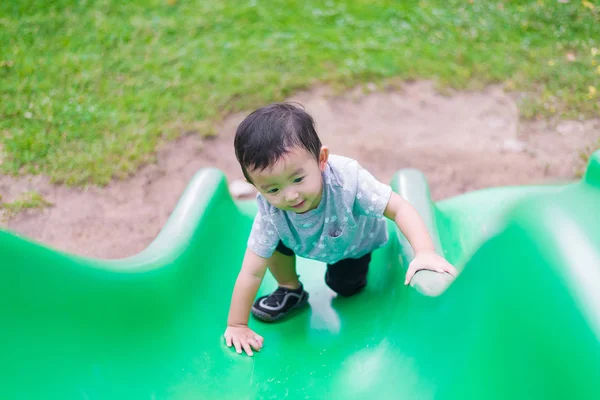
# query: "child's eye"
x,y
273,191
298,180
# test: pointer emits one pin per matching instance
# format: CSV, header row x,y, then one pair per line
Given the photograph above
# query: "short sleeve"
x,y
264,236
372,196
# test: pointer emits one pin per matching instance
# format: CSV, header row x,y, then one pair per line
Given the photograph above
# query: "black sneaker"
x,y
280,303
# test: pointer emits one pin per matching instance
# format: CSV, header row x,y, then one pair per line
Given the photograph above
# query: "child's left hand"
x,y
430,261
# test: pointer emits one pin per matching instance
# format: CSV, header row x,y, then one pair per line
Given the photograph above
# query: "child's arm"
x,y
246,286
413,227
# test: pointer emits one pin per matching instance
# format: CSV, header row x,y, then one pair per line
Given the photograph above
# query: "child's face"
x,y
294,182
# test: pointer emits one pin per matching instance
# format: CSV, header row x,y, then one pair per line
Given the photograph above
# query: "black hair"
x,y
268,133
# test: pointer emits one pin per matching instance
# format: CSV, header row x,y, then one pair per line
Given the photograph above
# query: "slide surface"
x,y
521,320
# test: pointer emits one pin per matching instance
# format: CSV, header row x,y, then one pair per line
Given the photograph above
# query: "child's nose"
x,y
291,195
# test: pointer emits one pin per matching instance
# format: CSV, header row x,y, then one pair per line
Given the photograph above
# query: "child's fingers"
x,y
451,270
247,348
256,345
236,344
228,341
409,274
259,339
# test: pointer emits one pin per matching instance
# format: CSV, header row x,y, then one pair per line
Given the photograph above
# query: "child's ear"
x,y
323,157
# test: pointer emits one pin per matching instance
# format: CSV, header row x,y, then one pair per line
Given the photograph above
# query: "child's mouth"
x,y
299,205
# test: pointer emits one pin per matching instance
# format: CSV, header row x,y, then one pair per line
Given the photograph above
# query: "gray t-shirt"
x,y
348,222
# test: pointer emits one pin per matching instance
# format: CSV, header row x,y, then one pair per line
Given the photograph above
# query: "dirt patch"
x,y
462,142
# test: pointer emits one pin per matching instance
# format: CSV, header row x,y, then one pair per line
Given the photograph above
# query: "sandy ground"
x,y
462,142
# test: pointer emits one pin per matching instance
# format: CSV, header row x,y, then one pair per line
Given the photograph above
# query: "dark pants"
x,y
346,277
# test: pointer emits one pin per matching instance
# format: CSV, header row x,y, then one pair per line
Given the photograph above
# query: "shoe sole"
x,y
263,316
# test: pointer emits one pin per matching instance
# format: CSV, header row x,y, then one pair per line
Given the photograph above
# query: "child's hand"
x,y
243,337
431,261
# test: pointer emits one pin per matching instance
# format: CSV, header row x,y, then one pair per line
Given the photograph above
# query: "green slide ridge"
x,y
521,320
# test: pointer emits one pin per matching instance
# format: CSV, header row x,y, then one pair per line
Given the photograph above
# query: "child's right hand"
x,y
242,337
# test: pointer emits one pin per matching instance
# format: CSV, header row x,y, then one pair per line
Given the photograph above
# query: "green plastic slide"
x,y
521,320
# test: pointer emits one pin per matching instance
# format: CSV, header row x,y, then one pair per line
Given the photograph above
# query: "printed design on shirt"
x,y
333,228
370,194
335,231
263,237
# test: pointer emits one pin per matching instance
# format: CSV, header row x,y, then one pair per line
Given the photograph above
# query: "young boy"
x,y
312,205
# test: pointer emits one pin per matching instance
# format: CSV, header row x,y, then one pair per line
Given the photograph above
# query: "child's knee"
x,y
349,276
345,289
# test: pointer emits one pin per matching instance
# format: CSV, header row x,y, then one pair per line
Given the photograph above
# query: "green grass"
x,y
27,201
89,88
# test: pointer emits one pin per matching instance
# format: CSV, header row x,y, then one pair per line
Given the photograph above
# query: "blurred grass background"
x,y
88,88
